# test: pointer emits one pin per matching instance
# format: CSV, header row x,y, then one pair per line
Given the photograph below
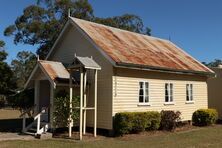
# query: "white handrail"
x,y
39,114
38,118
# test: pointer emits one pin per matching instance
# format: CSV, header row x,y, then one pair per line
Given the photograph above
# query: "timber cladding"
x,y
126,92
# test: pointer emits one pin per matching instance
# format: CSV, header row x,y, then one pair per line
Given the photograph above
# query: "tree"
x,y
2,44
214,63
22,67
41,24
127,22
6,83
22,101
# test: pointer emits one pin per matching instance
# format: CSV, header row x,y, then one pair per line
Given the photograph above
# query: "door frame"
x,y
51,98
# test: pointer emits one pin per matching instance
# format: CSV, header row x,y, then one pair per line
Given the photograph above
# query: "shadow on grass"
x,y
13,125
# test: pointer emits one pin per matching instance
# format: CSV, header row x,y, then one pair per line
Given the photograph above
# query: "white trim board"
x,y
38,65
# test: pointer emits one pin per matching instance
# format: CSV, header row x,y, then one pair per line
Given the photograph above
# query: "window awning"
x,y
85,62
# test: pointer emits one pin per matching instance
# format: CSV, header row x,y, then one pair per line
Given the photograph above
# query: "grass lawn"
x,y
199,137
9,113
10,120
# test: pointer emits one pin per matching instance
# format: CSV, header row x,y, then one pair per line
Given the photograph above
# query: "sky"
x,y
194,25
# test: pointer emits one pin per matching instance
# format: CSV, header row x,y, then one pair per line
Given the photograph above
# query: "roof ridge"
x,y
46,61
136,33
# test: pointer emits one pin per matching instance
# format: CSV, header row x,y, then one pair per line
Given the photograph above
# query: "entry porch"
x,y
78,79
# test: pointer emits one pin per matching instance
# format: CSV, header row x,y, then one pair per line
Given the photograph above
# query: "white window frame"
x,y
145,94
170,94
189,93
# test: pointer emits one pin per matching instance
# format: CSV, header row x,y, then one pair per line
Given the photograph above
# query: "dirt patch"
x,y
185,128
90,137
75,136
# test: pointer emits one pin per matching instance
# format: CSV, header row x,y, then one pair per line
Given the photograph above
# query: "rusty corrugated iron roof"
x,y
136,49
55,70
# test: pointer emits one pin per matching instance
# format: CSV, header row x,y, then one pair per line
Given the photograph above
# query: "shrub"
x,y
169,119
139,122
134,122
62,109
123,123
154,120
204,117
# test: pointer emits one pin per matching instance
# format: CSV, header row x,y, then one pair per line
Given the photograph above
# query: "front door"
x,y
44,99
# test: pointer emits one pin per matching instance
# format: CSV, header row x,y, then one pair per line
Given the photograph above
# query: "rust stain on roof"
x,y
55,69
133,48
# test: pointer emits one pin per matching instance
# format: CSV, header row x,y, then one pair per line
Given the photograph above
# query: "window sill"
x,y
169,103
143,104
189,102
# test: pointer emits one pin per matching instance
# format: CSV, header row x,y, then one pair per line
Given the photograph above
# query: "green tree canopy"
x,y
22,101
41,24
2,43
214,63
22,67
6,83
127,22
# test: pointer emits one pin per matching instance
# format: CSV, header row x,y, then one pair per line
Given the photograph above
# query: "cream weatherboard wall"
x,y
73,42
126,91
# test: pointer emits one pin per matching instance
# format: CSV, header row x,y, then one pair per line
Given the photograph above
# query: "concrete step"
x,y
29,133
32,129
46,135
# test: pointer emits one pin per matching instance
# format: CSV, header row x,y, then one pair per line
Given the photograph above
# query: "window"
x,y
168,92
189,92
144,92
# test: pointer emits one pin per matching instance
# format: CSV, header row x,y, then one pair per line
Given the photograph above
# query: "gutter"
x,y
164,70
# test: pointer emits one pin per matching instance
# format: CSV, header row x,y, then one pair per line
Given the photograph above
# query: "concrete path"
x,y
14,136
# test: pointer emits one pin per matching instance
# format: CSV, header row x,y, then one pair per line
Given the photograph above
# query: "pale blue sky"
x,y
195,26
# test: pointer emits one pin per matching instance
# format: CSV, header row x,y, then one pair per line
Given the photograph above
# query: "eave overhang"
x,y
162,69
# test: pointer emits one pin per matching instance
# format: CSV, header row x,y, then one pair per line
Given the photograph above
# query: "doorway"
x,y
44,99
